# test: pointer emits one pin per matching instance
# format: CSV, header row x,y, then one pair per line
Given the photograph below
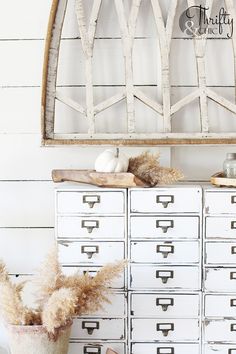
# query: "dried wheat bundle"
x,y
147,167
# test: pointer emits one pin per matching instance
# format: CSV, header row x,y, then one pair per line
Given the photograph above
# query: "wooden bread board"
x,y
219,180
101,179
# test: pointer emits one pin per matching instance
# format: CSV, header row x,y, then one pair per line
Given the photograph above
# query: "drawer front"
x,y
97,328
220,202
90,227
220,252
166,200
164,227
221,227
220,279
90,252
163,348
118,283
165,306
93,202
165,252
220,331
220,306
95,348
219,349
162,329
162,277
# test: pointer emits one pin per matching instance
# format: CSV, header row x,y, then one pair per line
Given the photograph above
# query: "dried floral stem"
x,y
147,167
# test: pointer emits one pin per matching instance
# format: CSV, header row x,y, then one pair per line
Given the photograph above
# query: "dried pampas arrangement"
x,y
147,168
59,297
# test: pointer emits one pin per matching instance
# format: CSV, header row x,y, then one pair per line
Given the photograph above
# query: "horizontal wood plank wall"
x,y
26,190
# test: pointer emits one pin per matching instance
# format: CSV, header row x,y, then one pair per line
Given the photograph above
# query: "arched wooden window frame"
x,y
167,137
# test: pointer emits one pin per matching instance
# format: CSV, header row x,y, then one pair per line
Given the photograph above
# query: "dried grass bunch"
x,y
147,167
58,297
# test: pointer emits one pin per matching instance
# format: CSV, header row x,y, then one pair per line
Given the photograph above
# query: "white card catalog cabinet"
x,y
177,294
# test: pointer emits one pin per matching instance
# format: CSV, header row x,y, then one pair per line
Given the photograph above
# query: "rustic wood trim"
x,y
87,40
109,102
200,49
69,102
127,34
143,142
50,66
231,9
164,38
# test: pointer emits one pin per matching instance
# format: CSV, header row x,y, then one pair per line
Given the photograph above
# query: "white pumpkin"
x,y
112,160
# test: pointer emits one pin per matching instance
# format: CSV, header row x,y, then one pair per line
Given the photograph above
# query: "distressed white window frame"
x,y
130,92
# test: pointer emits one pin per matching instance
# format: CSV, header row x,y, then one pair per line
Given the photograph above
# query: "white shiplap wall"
x,y
26,191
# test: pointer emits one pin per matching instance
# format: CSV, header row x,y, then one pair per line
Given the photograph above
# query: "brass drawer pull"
x,y
233,327
165,328
164,225
233,250
165,250
91,273
232,275
233,225
91,200
165,200
233,199
90,326
232,302
89,349
90,225
164,302
165,350
165,275
90,250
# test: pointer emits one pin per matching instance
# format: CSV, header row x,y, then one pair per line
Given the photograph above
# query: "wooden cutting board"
x,y
101,179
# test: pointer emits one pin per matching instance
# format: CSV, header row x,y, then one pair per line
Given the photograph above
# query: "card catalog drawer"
x,y
165,252
90,227
220,306
164,227
163,329
220,252
166,200
95,348
220,331
90,252
93,202
97,328
221,227
220,279
118,283
220,349
162,305
220,202
162,277
163,348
